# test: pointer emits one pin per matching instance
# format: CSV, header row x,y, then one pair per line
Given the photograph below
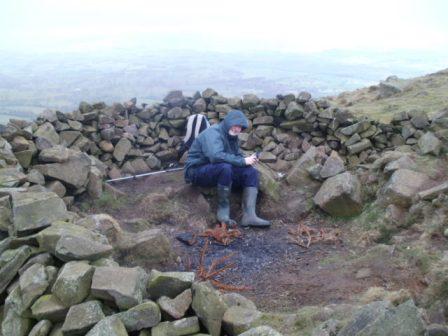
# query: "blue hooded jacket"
x,y
215,144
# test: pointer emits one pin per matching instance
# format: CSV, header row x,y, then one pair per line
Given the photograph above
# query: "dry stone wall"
x,y
71,153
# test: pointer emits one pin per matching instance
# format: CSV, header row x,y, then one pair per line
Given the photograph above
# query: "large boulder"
x,y
80,318
33,283
35,210
144,315
298,175
268,182
68,242
48,307
429,144
381,318
122,148
334,165
73,282
237,320
177,307
74,172
168,284
10,263
293,111
124,286
46,131
150,247
209,305
402,186
11,177
340,195
54,154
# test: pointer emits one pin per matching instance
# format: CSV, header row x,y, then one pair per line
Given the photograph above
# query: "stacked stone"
x,y
419,131
57,277
70,153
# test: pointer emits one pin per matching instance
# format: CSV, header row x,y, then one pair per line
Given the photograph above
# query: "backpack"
x,y
196,123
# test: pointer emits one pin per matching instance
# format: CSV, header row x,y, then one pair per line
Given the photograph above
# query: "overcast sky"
x,y
231,25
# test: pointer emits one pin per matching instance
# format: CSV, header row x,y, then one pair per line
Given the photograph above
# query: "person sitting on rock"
x,y
215,160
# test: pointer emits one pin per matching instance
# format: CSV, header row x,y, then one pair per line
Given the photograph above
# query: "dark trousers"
x,y
212,174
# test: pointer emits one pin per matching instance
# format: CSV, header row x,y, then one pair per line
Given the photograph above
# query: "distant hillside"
x,y
427,93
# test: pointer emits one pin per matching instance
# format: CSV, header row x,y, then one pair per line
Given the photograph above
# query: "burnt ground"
x,y
282,276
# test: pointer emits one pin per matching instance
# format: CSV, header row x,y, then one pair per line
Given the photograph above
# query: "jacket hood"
x,y
234,118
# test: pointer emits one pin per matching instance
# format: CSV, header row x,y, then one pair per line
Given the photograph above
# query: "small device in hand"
x,y
257,154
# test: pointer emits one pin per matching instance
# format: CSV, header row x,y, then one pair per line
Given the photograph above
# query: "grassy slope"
x,y
427,93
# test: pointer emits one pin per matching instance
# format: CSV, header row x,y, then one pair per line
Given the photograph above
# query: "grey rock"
x,y
73,242
80,318
237,320
72,285
168,284
110,326
73,172
47,132
57,187
293,111
356,128
402,186
334,165
33,283
122,148
42,328
124,286
250,100
36,210
44,259
5,214
359,146
11,177
209,305
177,307
261,331
14,324
380,318
144,315
48,307
185,326
80,248
10,263
151,247
429,144
235,299
174,98
340,195
58,154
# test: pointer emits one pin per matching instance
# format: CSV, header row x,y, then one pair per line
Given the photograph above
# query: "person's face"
x,y
235,130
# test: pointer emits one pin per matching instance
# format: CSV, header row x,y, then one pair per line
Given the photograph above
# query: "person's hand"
x,y
251,160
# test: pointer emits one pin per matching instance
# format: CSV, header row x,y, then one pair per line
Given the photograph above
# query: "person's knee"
x,y
224,168
251,177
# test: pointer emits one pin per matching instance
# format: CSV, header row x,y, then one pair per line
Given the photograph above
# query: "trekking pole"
x,y
146,174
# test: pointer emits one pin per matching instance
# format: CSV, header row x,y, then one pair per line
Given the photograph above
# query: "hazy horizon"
x,y
56,53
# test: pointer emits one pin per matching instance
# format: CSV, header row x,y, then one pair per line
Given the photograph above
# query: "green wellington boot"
x,y
250,218
223,213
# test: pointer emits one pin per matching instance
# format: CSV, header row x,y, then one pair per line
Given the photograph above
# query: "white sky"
x,y
230,25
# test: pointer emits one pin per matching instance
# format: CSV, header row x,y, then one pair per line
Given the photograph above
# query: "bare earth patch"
x,y
282,276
